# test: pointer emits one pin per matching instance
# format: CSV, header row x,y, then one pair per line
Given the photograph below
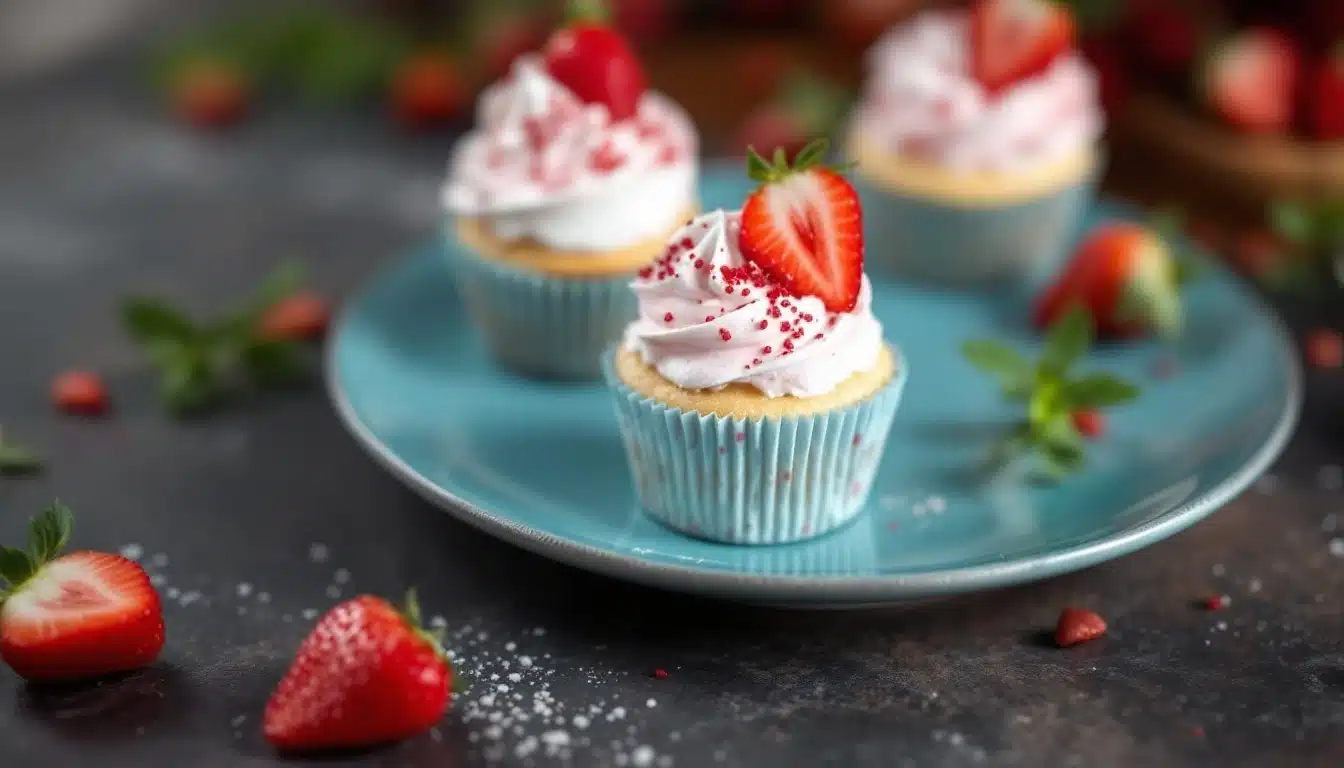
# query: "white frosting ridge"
x,y
708,317
921,101
543,165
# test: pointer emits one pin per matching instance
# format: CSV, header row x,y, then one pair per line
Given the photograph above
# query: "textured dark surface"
x,y
100,197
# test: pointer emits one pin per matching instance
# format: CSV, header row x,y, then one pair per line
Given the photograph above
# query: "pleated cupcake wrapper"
x,y
754,481
542,326
933,241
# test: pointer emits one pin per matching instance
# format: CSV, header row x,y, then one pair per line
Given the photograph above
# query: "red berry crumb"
x,y
667,318
725,334
1089,422
1078,626
661,674
79,392
1325,348
1216,602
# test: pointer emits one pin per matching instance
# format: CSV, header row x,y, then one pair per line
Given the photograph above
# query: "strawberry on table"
x,y
367,675
75,616
210,93
1251,80
1124,275
302,316
80,392
595,62
1325,97
1012,40
804,226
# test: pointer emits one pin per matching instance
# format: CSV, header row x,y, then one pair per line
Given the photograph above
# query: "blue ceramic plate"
x,y
541,464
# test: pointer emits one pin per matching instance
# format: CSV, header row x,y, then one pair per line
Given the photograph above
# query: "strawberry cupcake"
x,y
754,390
568,186
977,141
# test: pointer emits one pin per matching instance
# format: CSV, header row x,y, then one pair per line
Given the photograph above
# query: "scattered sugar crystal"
x,y
1337,547
642,756
158,560
318,552
341,576
263,597
244,589
173,593
334,592
651,703
1218,569
1254,586
309,614
132,551
525,661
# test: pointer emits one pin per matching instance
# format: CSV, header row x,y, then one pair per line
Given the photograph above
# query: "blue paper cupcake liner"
x,y
934,241
754,481
542,326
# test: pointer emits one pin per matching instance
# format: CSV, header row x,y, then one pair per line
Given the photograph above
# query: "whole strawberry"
x,y
368,674
595,62
75,616
210,94
1012,40
1251,80
1125,277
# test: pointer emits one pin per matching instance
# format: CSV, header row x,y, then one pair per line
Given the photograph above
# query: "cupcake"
x,y
754,390
976,142
570,182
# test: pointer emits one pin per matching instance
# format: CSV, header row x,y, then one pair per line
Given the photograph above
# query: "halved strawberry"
x,y
368,674
1012,40
804,227
82,615
1250,81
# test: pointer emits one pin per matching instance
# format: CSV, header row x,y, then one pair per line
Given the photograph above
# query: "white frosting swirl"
x,y
708,317
543,165
922,102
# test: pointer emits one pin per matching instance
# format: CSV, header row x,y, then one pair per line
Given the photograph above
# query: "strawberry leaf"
x,y
810,155
49,533
1067,341
15,567
1098,390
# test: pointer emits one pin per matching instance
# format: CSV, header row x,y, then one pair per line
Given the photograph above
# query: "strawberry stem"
x,y
778,168
587,12
413,617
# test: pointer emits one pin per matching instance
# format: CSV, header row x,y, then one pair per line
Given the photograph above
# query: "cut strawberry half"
x,y
804,227
82,615
1250,81
1012,40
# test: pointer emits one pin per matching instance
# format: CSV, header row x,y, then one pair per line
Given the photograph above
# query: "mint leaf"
x,y
49,533
17,459
152,320
996,358
188,385
1067,341
1294,221
1098,390
15,567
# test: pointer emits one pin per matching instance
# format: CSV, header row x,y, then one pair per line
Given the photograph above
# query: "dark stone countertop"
x,y
255,520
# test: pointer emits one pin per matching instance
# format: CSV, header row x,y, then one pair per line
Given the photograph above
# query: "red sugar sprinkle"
x,y
821,335
1216,602
724,334
709,318
786,326
729,289
857,439
762,325
661,674
667,318
746,292
646,273
766,349
807,318
755,361
740,437
686,243
699,263
788,345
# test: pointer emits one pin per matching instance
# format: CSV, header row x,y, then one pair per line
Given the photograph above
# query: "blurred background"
x,y
762,71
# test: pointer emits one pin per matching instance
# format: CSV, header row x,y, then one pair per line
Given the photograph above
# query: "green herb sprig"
x,y
17,458
200,364
1052,394
1315,233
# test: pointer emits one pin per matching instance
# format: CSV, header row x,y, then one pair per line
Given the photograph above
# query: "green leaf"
x,y
273,363
812,154
997,359
1294,221
188,385
758,169
1098,390
412,609
18,459
49,533
1067,341
15,567
1011,445
1057,463
152,320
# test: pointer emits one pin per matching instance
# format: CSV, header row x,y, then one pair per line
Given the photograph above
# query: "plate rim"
x,y
801,591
